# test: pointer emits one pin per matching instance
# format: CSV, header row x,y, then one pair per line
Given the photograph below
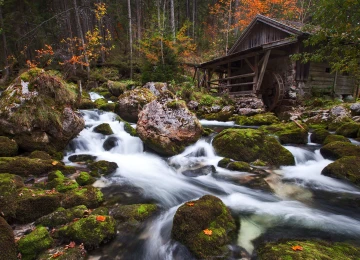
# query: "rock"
x,y
104,129
85,179
36,109
334,138
319,135
348,130
40,155
239,166
346,168
90,231
205,170
339,111
207,213
61,216
223,115
257,120
116,88
111,142
355,109
215,109
100,211
337,122
82,158
289,133
104,105
57,181
315,249
131,103
336,150
156,87
31,245
24,167
248,111
7,241
102,167
89,196
75,253
193,105
129,129
168,128
8,147
249,145
207,131
9,184
223,163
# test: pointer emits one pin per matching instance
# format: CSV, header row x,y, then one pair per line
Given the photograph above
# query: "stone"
x,y
336,150
85,179
156,87
288,133
111,142
346,168
204,170
82,158
319,136
88,196
8,147
257,120
40,155
333,138
31,245
104,129
248,111
348,130
355,109
9,184
193,105
102,167
76,253
7,241
239,166
116,88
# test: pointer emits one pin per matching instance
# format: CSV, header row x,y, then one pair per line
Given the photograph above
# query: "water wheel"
x,y
272,90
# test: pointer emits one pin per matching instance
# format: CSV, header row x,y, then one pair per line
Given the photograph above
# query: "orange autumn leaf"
x,y
207,232
100,218
297,248
54,162
57,254
190,204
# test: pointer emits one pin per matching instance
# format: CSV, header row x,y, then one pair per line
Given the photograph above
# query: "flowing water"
x,y
304,203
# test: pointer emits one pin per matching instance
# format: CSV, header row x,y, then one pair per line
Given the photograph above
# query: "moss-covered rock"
x,y
76,253
129,129
104,105
346,168
100,211
348,130
289,133
257,120
319,135
8,147
9,184
116,88
61,216
85,179
40,155
310,250
335,138
207,213
91,231
89,196
7,241
102,167
337,122
224,115
248,145
82,158
336,150
223,163
56,180
23,166
104,129
207,131
31,245
239,166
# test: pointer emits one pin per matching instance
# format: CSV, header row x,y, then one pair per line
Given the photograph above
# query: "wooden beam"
x,y
262,71
250,65
235,77
245,92
256,72
238,84
229,74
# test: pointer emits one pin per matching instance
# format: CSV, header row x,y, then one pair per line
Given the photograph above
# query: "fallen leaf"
x,y
57,254
54,162
190,204
72,244
207,232
297,248
100,218
75,219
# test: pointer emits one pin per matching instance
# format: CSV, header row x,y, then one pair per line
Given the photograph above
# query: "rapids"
x,y
303,202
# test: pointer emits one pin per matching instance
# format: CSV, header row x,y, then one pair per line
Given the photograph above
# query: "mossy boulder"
x,y
310,250
335,138
249,145
31,245
40,155
7,241
57,181
336,150
131,103
348,130
82,158
102,167
61,216
345,168
127,127
76,253
104,105
319,135
104,129
289,133
8,147
89,196
257,120
224,162
207,131
90,231
207,213
239,166
85,179
9,184
224,115
116,88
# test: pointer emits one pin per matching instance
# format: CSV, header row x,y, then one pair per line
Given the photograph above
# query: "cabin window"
x,y
327,70
302,70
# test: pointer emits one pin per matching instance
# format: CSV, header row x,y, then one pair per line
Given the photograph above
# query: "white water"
x,y
94,96
160,179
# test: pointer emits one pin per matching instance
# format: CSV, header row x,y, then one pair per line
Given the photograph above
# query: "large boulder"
x,y
156,87
205,227
169,127
8,147
9,184
336,150
257,120
319,135
7,241
223,114
131,103
348,130
248,145
346,168
289,133
355,109
333,138
36,110
89,196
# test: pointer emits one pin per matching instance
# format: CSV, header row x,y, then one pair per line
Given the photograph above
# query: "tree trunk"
x,y
138,18
161,31
228,29
236,30
130,39
172,17
6,63
193,18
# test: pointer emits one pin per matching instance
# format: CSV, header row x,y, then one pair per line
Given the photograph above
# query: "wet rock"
x,y
156,87
116,88
8,147
85,179
339,111
102,168
89,196
168,128
40,155
207,131
248,111
34,243
7,241
90,231
355,109
248,145
104,105
57,181
205,170
223,115
76,253
131,103
215,109
104,129
257,120
345,168
111,142
239,166
348,130
223,163
37,110
319,135
23,166
289,133
193,105
82,158
334,138
9,184
207,213
336,150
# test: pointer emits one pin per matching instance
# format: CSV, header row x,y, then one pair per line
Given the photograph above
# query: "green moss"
x,y
30,74
100,211
334,138
223,115
85,179
76,253
89,196
40,155
117,88
33,244
319,135
82,158
207,131
55,175
176,104
102,167
90,231
129,129
289,133
7,241
259,163
223,163
311,250
207,100
257,120
138,212
346,168
348,130
336,124
9,184
104,129
8,147
239,166
336,150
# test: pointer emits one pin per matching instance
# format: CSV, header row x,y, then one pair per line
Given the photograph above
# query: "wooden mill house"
x,y
259,63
